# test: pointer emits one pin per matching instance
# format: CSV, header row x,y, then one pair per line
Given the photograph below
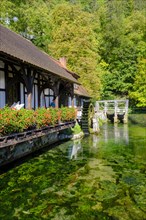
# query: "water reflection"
x,y
95,139
75,150
117,132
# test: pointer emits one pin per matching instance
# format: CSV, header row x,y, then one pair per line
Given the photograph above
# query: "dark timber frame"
x,y
31,76
31,83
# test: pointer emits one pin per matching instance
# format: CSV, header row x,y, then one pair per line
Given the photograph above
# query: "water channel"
x,y
99,177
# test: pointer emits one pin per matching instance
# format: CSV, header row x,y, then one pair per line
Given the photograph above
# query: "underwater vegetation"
x,y
89,179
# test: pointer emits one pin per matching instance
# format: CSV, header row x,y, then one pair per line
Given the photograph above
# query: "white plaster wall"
x,y
2,80
22,93
1,64
2,86
33,97
2,99
36,96
75,102
69,102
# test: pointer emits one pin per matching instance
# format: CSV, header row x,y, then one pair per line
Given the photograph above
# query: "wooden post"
x,y
126,106
105,109
57,102
55,88
29,91
115,112
29,100
39,91
28,76
125,120
72,101
97,106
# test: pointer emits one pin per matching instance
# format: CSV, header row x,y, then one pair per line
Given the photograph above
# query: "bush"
x,y
68,114
77,129
13,121
42,117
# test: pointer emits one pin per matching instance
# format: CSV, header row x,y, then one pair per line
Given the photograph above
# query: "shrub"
x,y
77,129
67,114
42,117
55,114
13,121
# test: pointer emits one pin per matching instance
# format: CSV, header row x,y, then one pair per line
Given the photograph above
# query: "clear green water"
x,y
100,177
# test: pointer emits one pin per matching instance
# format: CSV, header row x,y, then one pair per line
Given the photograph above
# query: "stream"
x,y
101,177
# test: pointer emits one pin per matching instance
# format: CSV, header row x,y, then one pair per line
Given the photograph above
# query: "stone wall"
x,y
17,148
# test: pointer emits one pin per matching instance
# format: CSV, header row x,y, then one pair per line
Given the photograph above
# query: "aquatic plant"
x,y
76,129
105,181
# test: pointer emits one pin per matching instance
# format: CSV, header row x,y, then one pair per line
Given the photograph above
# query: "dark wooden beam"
x,y
28,76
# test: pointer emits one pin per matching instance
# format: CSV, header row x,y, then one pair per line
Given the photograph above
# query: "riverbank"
x,y
137,119
19,145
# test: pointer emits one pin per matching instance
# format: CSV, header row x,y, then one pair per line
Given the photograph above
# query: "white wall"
x,y
2,87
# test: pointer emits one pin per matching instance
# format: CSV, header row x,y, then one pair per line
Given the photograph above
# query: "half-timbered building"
x,y
80,93
31,76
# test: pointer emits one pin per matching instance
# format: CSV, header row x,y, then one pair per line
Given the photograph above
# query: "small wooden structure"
x,y
113,110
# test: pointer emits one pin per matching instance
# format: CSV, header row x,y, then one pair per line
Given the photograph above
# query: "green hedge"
x,y
137,119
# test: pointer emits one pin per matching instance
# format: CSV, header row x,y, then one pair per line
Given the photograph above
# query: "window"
x,y
47,97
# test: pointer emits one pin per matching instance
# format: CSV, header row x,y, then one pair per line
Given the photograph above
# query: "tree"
x,y
7,13
32,20
123,35
139,87
73,37
104,41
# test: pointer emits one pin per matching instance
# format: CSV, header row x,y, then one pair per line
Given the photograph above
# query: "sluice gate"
x,y
113,110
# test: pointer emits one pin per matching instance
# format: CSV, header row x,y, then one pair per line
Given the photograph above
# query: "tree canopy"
x,y
103,41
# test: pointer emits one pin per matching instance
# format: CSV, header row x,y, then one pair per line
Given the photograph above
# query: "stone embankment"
x,y
19,145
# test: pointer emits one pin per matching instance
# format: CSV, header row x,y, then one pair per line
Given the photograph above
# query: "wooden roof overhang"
x,y
19,50
47,74
82,92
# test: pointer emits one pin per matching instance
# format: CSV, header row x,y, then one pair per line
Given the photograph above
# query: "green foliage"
x,y
106,181
103,41
139,86
138,119
12,121
43,117
73,37
67,114
29,22
76,129
7,12
123,40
